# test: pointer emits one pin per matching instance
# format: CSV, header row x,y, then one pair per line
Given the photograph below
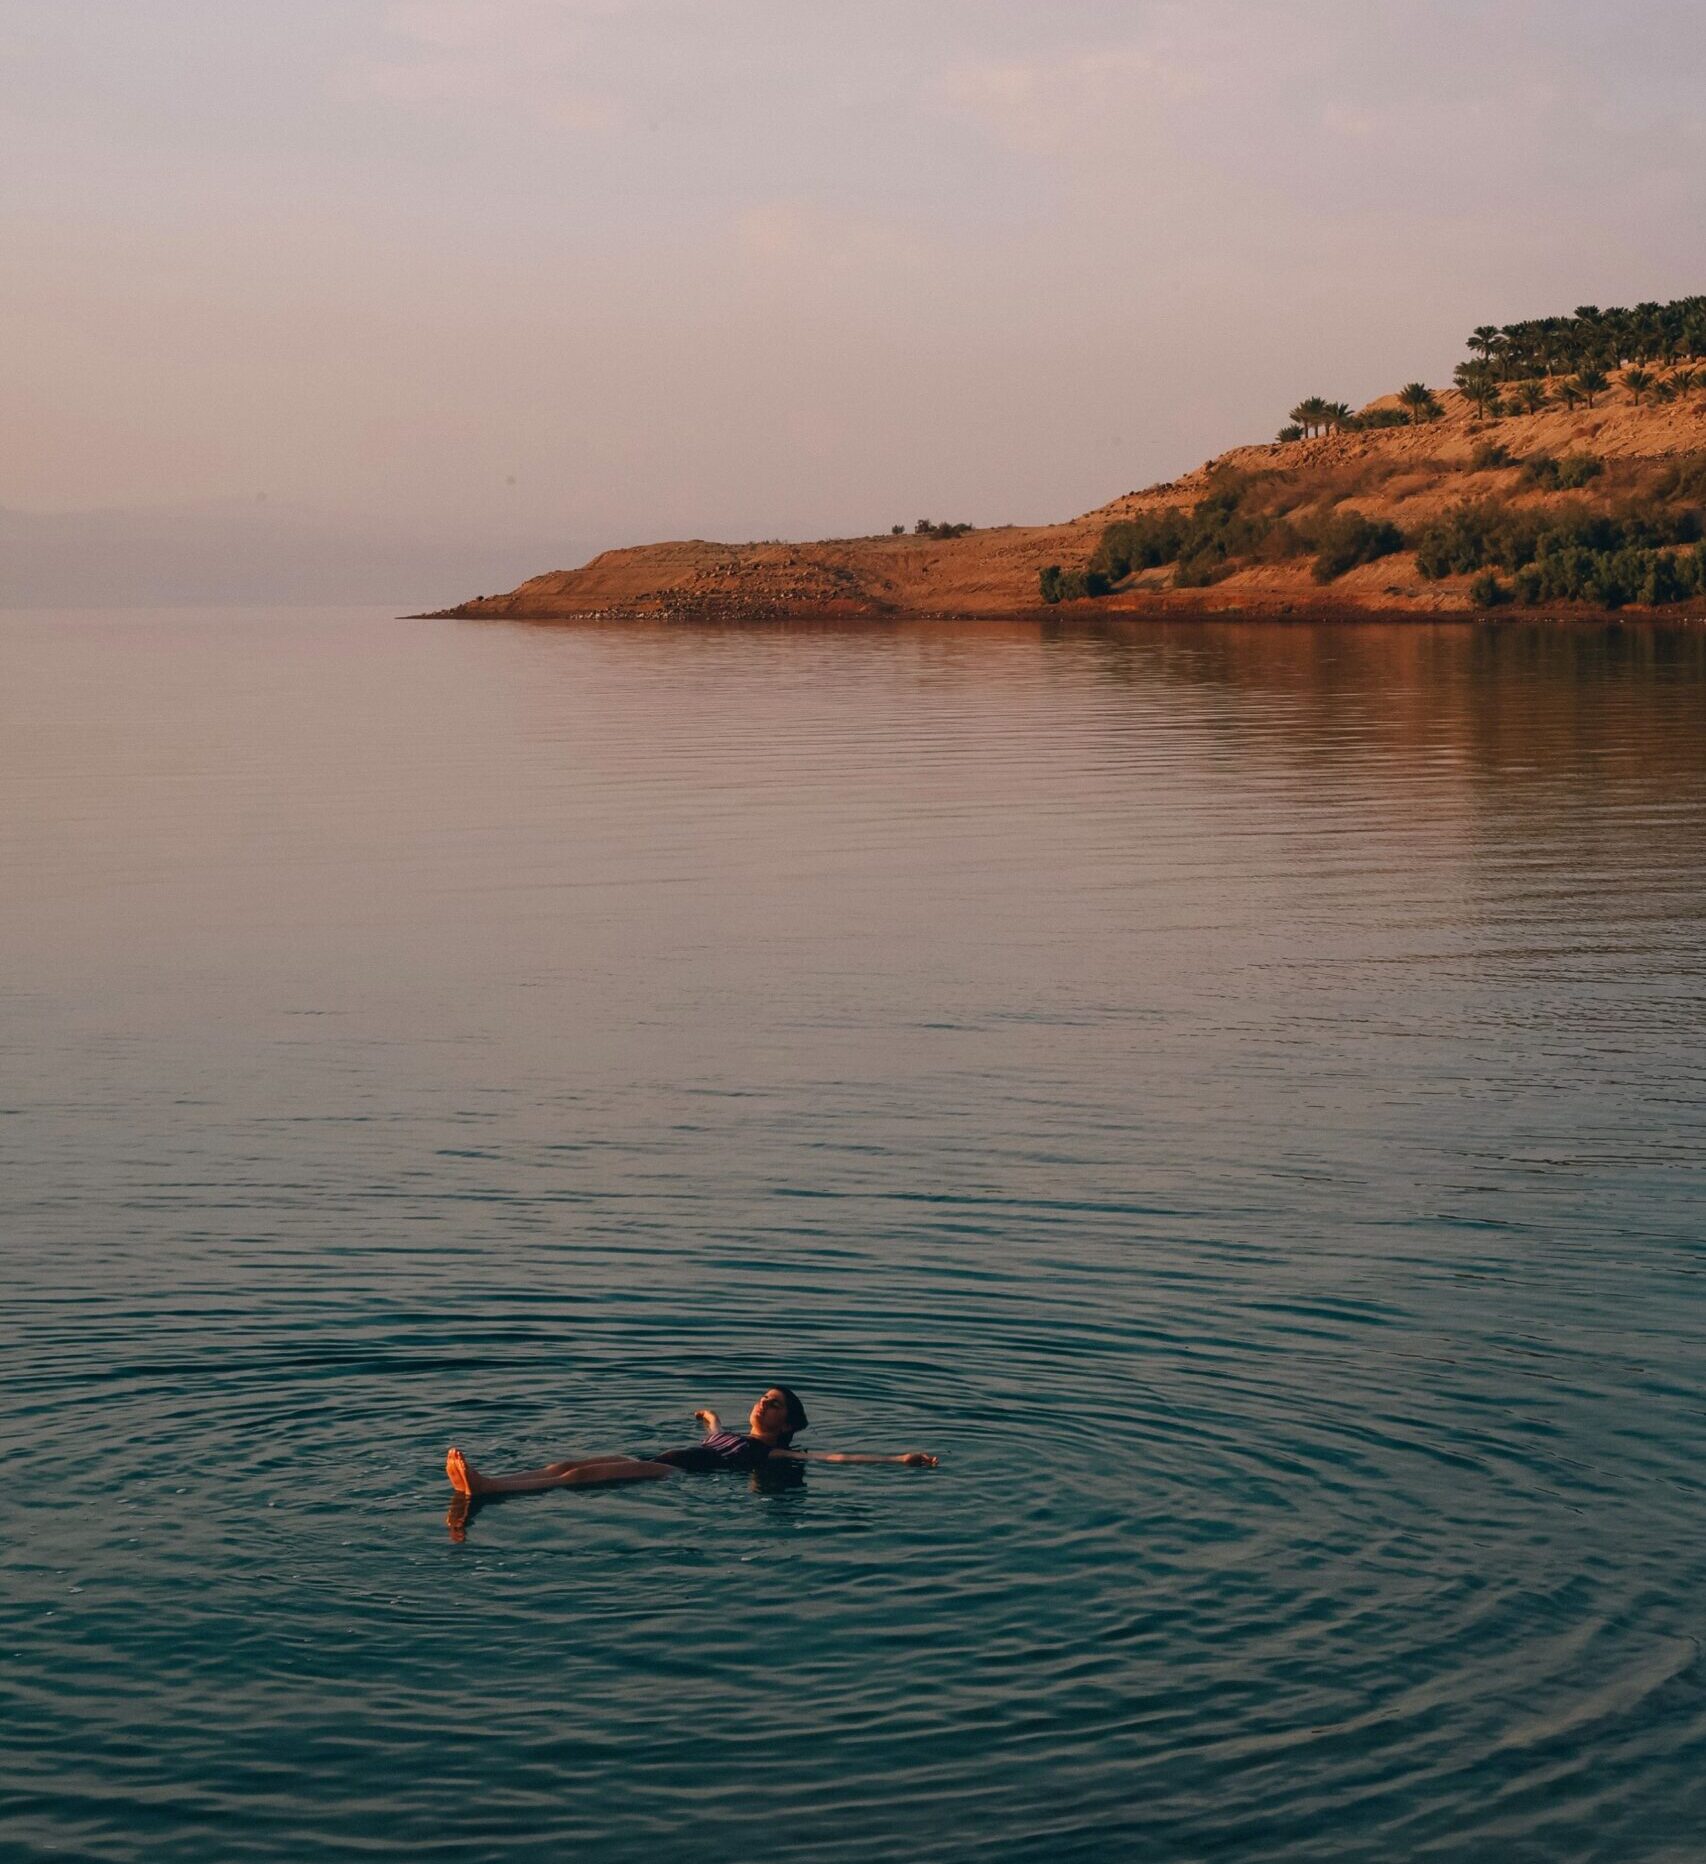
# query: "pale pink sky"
x,y
522,271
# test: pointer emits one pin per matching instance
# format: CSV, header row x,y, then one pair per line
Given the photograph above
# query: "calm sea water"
x,y
1235,1092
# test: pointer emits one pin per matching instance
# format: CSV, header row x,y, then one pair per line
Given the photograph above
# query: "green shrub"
x,y
1683,479
1488,534
1486,591
1347,539
1465,540
1567,572
1382,417
1222,529
1489,455
1220,526
1665,579
1569,474
1290,432
1058,585
1141,543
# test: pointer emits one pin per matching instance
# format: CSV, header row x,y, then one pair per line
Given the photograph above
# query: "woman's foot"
x,y
464,1479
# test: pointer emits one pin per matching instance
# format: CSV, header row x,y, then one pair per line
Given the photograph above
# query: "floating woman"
x,y
771,1425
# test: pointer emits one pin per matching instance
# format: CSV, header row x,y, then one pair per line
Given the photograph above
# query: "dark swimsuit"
x,y
723,1449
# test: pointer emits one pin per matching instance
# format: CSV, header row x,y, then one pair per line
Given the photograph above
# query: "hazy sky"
x,y
614,269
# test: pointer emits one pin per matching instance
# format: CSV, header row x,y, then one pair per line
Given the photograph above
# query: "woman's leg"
x,y
583,1471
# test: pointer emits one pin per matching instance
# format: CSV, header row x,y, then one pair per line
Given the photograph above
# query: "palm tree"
x,y
1476,381
1339,414
1419,400
1591,382
1488,341
1313,414
1530,396
1686,381
1646,330
1623,326
1547,338
1637,381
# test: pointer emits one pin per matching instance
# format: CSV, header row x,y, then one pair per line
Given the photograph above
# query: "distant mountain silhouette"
x,y
245,551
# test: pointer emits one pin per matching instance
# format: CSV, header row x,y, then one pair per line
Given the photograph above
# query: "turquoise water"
x,y
1235,1092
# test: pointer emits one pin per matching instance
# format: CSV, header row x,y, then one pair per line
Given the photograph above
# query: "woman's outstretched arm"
x,y
912,1459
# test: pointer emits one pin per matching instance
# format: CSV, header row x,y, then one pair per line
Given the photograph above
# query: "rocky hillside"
x,y
1628,453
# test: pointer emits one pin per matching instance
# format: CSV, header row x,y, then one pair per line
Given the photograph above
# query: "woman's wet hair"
x,y
797,1419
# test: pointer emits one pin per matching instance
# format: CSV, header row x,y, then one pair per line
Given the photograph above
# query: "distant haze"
x,y
408,299
255,551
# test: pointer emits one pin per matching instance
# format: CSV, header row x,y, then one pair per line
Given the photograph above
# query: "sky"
x,y
522,279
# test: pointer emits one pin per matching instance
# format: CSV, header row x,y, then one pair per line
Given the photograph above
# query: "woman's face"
x,y
769,1417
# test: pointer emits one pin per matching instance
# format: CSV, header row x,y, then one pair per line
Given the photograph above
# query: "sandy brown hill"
x,y
1408,475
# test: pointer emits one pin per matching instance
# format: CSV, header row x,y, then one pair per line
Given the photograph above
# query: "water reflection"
x,y
1235,1088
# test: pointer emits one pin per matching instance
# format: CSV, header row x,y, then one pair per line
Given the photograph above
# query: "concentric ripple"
x,y
1235,1091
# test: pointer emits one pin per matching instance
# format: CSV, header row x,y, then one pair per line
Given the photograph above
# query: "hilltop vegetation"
x,y
1633,538
1524,367
1638,544
1563,472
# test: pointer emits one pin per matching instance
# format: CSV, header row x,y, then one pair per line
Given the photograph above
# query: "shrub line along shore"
x,y
1563,474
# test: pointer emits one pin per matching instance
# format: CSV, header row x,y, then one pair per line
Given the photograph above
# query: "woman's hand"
x,y
710,1420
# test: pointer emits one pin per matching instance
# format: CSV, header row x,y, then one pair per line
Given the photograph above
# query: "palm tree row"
x,y
1314,415
1480,382
1593,339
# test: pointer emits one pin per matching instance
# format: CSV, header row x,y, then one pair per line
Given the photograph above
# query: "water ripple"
x,y
1232,1090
